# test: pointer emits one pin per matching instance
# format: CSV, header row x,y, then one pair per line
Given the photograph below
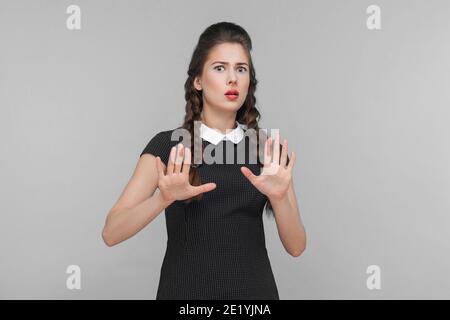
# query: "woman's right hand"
x,y
174,185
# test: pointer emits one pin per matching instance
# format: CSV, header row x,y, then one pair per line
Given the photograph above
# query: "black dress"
x,y
216,246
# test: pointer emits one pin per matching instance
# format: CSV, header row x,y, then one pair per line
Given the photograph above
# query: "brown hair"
x,y
248,114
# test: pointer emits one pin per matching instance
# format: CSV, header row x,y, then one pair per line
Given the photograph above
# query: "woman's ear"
x,y
197,84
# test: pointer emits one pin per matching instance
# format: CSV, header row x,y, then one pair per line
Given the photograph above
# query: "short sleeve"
x,y
160,146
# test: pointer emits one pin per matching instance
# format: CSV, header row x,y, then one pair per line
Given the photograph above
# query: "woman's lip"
x,y
231,96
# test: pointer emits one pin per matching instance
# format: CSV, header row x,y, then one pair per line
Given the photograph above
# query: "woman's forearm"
x,y
123,224
289,224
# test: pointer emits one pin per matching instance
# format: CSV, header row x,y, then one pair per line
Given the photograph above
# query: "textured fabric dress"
x,y
216,246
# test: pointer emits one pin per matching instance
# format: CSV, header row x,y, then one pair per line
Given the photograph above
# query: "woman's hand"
x,y
275,177
174,185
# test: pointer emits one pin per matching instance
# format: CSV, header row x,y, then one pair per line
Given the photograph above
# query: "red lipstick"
x,y
232,94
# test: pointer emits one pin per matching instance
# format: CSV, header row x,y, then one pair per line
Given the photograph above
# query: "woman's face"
x,y
227,67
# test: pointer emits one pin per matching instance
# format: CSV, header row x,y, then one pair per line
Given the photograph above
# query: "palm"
x,y
175,185
275,176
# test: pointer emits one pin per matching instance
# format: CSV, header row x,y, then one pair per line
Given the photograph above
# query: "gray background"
x,y
366,111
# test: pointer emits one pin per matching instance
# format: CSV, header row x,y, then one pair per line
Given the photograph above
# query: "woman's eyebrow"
x,y
223,62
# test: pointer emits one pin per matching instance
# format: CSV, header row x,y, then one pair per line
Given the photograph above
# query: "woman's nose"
x,y
232,78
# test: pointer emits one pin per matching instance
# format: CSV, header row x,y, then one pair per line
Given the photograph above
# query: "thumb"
x,y
204,188
248,174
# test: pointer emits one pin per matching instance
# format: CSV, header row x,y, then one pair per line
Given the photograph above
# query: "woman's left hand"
x,y
276,176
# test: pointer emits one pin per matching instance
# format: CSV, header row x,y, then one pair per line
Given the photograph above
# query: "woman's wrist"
x,y
163,202
277,198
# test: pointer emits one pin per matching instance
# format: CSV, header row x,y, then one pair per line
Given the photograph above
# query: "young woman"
x,y
216,244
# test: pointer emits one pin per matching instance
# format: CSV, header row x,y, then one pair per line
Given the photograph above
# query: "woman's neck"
x,y
220,123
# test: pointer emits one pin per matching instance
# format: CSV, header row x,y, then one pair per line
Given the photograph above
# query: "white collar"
x,y
213,136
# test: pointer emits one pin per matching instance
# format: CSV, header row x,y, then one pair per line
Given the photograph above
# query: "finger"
x,y
267,152
179,159
291,161
248,174
159,167
204,188
170,165
187,160
284,154
276,149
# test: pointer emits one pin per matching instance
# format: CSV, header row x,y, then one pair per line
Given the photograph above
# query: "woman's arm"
x,y
289,224
138,204
276,182
124,223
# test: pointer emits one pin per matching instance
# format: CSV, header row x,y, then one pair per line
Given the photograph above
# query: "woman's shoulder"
x,y
170,136
161,143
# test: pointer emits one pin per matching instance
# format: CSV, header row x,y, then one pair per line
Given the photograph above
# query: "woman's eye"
x,y
240,68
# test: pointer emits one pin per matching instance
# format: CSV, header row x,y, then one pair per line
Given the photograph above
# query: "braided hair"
x,y
248,114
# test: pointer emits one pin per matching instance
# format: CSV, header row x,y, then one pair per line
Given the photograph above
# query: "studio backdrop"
x,y
359,88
